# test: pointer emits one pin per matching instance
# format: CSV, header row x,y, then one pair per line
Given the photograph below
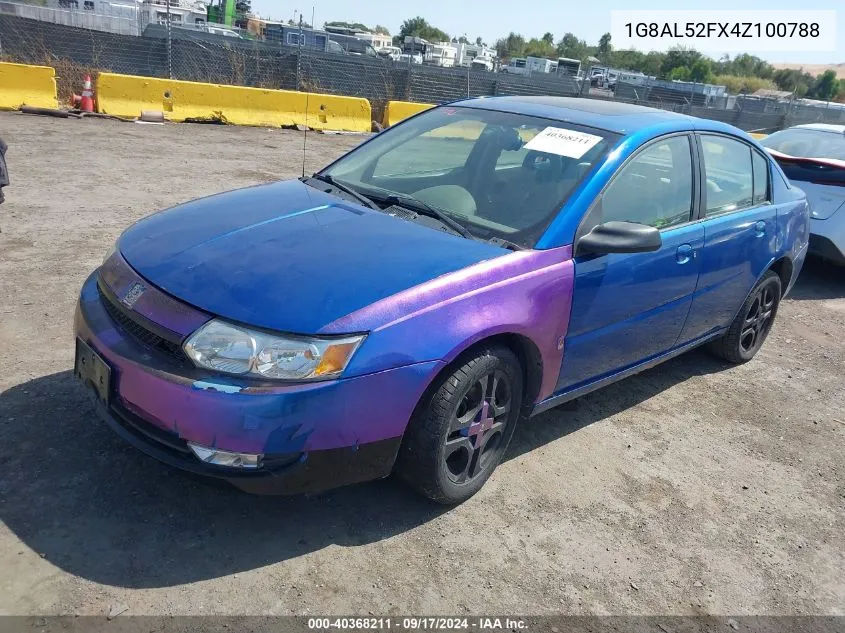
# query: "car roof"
x,y
825,127
613,116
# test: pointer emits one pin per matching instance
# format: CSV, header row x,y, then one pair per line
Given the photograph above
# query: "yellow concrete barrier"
x,y
21,84
396,111
127,95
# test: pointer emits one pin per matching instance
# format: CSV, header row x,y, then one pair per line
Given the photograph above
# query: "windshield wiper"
x,y
330,180
415,204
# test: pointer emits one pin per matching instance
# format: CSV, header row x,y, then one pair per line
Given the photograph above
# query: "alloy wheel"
x,y
477,428
758,319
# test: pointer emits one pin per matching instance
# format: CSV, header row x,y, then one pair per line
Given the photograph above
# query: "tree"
x,y
540,48
681,73
743,65
652,63
700,71
548,38
743,85
570,46
478,41
604,46
678,57
511,46
793,80
419,27
382,30
825,87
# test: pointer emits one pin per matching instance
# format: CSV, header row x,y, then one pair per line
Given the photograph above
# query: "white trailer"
x,y
516,66
540,65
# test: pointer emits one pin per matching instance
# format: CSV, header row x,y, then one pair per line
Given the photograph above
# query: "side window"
x,y
760,166
729,178
654,188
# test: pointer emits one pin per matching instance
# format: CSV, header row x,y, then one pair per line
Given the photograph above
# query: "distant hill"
x,y
816,69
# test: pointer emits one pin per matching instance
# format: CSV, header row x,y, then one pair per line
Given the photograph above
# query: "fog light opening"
x,y
227,459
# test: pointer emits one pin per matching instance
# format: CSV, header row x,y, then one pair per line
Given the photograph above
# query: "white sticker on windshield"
x,y
563,142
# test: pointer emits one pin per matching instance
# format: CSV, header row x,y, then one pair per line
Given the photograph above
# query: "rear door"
x,y
740,231
627,308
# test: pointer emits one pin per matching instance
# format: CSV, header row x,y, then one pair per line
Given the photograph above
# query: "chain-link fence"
x,y
199,54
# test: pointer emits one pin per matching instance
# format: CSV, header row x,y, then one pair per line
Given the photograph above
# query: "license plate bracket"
x,y
92,370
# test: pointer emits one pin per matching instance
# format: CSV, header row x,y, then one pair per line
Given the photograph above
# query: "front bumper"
x,y
313,436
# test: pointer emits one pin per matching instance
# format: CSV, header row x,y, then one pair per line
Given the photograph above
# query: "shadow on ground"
x,y
819,280
97,508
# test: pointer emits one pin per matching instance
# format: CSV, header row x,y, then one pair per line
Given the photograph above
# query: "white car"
x,y
415,58
813,157
392,53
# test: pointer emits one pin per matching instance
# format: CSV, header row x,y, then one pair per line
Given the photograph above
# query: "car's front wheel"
x,y
463,427
753,323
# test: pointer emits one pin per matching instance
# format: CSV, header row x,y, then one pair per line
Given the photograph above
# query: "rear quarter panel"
x,y
793,218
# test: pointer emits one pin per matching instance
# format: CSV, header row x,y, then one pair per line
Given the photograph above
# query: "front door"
x,y
627,308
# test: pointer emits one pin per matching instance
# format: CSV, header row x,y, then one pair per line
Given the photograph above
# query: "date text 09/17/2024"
x,y
417,623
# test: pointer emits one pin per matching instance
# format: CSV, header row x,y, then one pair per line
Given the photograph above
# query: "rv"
x,y
468,52
482,63
442,54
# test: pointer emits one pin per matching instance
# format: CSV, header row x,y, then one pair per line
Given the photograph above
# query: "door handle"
x,y
684,253
760,229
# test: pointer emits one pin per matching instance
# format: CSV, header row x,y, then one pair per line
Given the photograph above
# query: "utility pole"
x,y
299,55
169,42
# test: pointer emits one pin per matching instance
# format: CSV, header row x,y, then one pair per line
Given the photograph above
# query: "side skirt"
x,y
558,399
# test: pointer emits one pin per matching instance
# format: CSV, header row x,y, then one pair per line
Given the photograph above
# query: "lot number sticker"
x,y
558,140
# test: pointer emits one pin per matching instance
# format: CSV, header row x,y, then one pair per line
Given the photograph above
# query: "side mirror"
x,y
619,237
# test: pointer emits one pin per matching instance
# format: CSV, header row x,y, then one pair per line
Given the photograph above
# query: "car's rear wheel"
x,y
753,323
462,428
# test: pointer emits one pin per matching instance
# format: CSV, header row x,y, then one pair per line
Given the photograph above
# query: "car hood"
x,y
288,257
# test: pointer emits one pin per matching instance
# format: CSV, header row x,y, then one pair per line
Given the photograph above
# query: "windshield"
x,y
500,175
807,143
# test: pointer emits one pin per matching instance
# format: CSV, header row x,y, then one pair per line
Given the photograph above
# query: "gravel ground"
x,y
695,487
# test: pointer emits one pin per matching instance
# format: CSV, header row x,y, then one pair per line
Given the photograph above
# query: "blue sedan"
x,y
404,308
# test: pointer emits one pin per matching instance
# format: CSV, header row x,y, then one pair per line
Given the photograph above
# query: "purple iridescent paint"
x,y
528,293
525,293
151,303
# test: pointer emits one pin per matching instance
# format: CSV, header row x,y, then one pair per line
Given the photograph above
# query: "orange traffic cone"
x,y
86,104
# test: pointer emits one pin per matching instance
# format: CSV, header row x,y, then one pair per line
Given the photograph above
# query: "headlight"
x,y
233,349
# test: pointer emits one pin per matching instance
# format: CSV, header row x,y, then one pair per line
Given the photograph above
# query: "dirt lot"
x,y
693,488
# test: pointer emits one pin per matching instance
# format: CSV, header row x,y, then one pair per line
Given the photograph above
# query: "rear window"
x,y
807,143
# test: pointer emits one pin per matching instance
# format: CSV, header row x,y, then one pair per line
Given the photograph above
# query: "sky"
x,y
492,19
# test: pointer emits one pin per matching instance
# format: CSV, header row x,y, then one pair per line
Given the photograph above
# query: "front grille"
x,y
140,333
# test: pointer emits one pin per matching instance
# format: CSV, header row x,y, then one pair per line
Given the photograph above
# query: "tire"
x,y
463,426
752,324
